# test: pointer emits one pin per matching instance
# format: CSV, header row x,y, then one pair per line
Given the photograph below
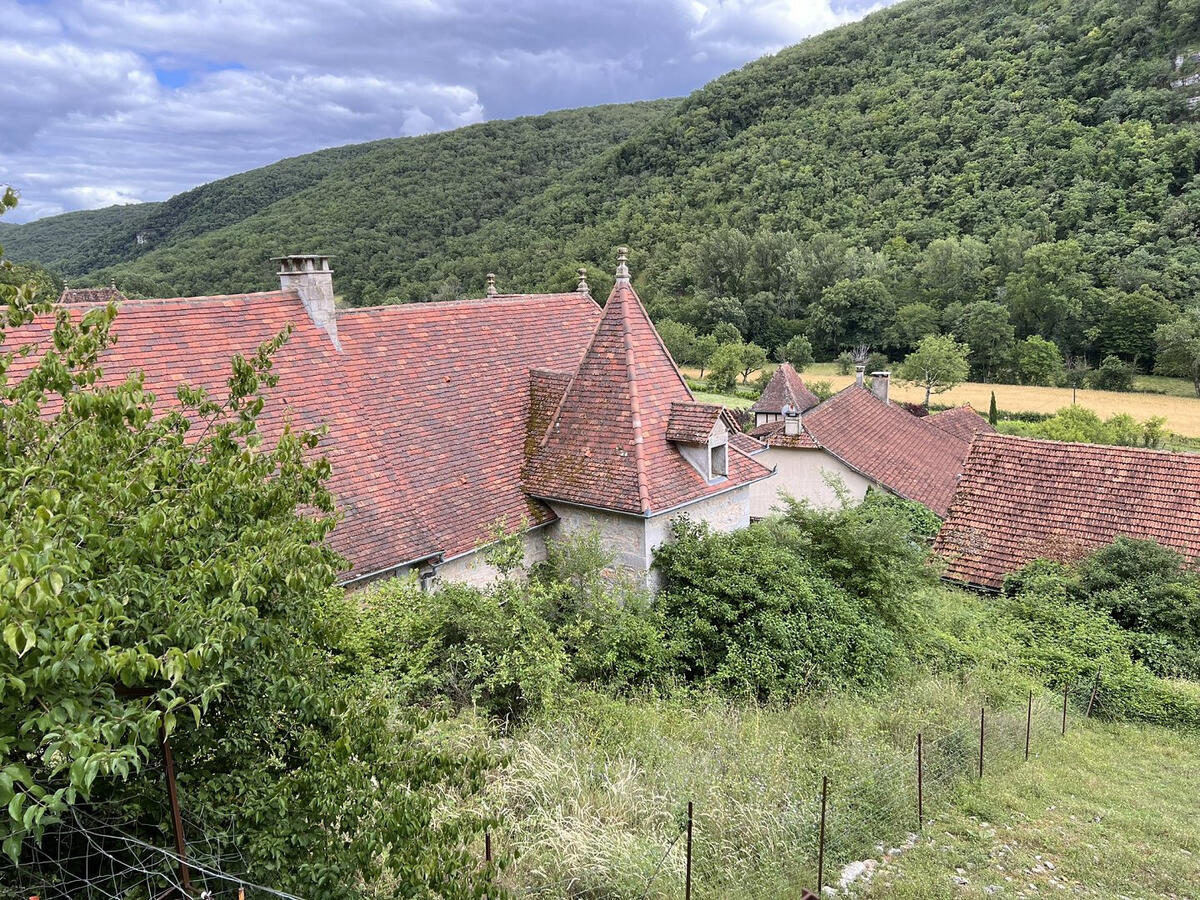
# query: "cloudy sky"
x,y
116,101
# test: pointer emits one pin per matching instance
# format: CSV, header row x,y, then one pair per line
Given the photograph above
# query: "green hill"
x,y
993,169
381,208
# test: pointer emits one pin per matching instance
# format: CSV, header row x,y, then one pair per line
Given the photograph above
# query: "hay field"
x,y
1181,412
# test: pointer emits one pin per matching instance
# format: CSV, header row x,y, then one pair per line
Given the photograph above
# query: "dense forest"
x,y
996,171
385,210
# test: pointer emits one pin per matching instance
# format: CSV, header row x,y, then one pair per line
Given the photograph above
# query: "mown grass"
x,y
1109,812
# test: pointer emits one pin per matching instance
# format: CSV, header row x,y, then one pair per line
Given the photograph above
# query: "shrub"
x,y
747,613
1114,374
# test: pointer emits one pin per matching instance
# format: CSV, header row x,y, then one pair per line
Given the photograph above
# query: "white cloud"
x,y
89,123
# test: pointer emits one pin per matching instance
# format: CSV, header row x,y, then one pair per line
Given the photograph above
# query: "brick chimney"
x,y
309,275
879,385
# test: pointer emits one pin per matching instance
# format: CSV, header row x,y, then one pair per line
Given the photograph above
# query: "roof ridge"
x,y
498,299
147,301
1021,438
635,408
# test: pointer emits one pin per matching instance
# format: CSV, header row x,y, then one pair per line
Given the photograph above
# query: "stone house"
x,y
534,414
856,441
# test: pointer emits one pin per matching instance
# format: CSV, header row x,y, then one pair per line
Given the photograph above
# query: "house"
x,y
855,441
534,414
1021,499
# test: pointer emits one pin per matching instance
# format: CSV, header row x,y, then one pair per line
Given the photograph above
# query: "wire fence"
x,y
862,815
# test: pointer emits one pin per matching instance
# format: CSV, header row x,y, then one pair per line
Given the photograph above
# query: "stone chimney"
x,y
858,375
879,385
489,287
309,275
791,423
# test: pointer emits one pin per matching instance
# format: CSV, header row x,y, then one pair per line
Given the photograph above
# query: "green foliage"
x,y
1178,345
797,352
753,358
993,416
938,364
748,614
724,368
680,341
822,388
1080,425
1037,361
1113,374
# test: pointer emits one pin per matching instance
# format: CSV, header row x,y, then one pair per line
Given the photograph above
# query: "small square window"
x,y
718,460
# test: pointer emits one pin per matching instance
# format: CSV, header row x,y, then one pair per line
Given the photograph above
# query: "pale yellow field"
x,y
1182,413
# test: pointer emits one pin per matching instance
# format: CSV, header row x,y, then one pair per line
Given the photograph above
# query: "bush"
x,y
1114,374
748,614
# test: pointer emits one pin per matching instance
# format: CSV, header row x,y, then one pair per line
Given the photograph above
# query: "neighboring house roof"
x,y
961,421
426,404
96,296
607,445
774,434
1020,499
883,441
692,423
745,442
785,387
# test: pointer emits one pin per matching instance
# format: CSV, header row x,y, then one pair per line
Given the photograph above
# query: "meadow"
x,y
1176,403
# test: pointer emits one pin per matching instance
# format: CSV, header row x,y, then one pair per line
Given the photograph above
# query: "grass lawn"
x,y
723,400
1109,812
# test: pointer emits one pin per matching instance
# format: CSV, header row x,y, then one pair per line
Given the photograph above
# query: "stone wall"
x,y
622,535
802,474
473,569
724,512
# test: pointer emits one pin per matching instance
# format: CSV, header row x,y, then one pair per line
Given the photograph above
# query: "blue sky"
x,y
118,101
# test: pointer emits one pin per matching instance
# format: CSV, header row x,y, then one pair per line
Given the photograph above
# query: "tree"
x,y
1178,348
1113,374
852,311
1038,361
726,333
1128,323
679,339
1078,374
703,350
797,352
913,322
993,414
938,364
180,552
724,368
985,328
753,358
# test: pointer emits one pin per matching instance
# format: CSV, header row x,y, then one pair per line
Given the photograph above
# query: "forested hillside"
x,y
384,210
996,170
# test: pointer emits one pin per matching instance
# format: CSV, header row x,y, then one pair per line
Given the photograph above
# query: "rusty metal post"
x,y
981,742
1028,724
185,876
687,876
487,846
920,787
1092,698
821,835
1064,724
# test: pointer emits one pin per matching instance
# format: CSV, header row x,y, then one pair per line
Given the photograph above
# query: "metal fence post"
x,y
1092,698
687,882
981,742
821,836
920,787
1028,724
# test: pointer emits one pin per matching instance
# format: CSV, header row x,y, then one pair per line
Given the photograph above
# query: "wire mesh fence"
x,y
866,813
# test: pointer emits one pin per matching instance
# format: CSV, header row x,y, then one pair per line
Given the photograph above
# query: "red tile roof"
x,y
692,423
785,387
772,434
1020,499
426,404
884,442
961,421
92,296
608,445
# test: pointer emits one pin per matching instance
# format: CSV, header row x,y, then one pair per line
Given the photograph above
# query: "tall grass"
x,y
594,798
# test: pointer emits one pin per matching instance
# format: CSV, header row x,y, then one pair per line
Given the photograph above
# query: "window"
x,y
718,460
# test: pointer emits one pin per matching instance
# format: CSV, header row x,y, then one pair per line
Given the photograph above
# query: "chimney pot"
x,y
879,385
858,375
309,275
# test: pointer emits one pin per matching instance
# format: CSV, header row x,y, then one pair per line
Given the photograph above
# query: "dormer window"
x,y
718,460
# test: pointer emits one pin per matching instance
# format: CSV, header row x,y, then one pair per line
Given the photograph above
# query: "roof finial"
x,y
583,285
113,284
490,290
622,265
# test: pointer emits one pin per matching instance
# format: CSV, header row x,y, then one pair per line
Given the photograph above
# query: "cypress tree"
x,y
992,415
